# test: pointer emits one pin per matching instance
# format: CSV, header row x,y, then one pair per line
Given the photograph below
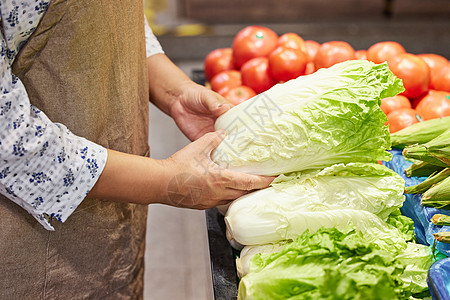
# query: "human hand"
x,y
197,182
196,110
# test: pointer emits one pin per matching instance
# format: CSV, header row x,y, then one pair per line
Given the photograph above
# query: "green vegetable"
x,y
420,133
438,195
427,183
436,151
331,116
361,193
443,236
333,264
243,261
403,223
440,220
421,168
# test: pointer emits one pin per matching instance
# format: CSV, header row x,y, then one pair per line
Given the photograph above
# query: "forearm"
x,y
133,179
166,81
186,179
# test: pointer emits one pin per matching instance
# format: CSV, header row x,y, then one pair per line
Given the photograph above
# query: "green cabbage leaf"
x,y
337,264
331,116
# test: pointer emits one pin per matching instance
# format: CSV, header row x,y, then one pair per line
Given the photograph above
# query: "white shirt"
x,y
44,167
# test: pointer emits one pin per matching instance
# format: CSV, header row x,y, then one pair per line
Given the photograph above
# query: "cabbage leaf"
x,y
363,194
331,116
334,264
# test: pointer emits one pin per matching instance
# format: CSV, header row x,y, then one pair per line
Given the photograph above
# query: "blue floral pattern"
x,y
44,167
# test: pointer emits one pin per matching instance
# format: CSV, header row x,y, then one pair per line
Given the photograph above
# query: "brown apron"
x,y
85,67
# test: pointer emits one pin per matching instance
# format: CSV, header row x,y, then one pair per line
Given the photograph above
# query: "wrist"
x,y
133,179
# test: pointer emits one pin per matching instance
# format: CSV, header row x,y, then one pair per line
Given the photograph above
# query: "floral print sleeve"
x,y
44,168
151,42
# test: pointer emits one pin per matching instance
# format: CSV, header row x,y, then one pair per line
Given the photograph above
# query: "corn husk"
x,y
421,168
440,220
429,182
438,195
420,133
436,151
443,237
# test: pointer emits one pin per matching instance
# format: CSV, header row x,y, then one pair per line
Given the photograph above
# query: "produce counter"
x,y
223,266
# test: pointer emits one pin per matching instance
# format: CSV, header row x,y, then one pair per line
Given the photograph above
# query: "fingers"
x,y
216,104
246,182
210,141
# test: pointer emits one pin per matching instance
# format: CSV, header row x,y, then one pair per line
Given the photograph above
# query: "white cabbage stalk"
x,y
358,193
243,261
266,227
331,116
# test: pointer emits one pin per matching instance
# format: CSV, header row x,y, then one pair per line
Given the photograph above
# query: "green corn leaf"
x,y
436,151
420,133
429,182
438,195
443,237
440,220
421,168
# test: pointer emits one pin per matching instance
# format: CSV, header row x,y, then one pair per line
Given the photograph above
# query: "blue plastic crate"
x,y
439,279
439,274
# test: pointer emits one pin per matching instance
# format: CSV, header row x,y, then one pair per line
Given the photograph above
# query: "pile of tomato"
x,y
259,58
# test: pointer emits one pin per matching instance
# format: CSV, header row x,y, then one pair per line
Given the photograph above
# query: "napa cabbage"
x,y
328,117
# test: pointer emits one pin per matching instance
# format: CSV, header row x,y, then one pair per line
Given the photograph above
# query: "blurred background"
x,y
177,258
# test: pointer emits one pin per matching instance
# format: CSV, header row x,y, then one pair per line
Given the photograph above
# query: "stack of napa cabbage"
x,y
332,204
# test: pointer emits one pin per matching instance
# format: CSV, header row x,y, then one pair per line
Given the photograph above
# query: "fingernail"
x,y
221,132
220,106
224,105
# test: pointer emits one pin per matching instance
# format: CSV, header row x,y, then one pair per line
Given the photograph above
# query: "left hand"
x,y
196,110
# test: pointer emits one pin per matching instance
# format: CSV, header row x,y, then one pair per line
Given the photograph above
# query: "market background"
x,y
177,256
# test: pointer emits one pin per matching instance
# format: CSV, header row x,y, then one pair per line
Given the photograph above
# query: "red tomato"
x,y
226,80
310,68
413,71
382,51
436,63
390,104
251,42
239,94
287,63
361,54
217,61
255,74
442,80
292,40
311,49
435,104
402,118
333,52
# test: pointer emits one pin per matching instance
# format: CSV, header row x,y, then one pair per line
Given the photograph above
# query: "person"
x,y
75,171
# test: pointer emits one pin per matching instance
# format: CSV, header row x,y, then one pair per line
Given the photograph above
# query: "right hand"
x,y
197,182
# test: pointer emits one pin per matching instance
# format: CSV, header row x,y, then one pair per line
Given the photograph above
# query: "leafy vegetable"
x,y
243,261
331,116
333,197
420,133
333,264
403,223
